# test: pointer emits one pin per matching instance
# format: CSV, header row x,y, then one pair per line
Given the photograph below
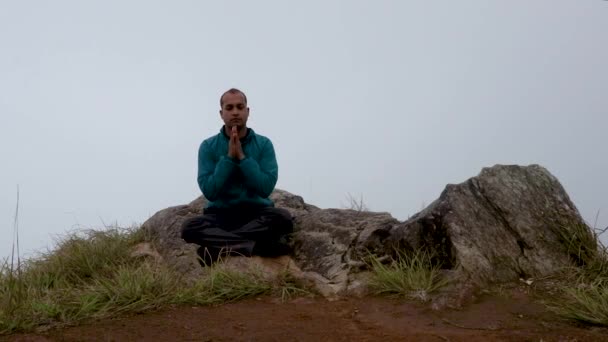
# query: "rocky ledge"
x,y
507,223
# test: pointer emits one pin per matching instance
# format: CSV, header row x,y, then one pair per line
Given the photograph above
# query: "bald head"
x,y
233,91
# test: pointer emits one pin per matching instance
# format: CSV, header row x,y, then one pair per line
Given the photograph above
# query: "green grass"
x,y
582,244
223,285
91,275
407,275
585,302
583,293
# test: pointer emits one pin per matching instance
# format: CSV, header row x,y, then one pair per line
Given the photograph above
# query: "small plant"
x,y
287,286
584,302
582,243
356,204
225,285
407,275
584,295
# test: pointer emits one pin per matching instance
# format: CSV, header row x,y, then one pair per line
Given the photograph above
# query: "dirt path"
x,y
496,318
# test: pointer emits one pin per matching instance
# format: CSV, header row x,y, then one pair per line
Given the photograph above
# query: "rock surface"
x,y
506,223
165,228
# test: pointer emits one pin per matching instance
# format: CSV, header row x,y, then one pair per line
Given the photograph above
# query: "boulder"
x,y
164,228
506,223
509,222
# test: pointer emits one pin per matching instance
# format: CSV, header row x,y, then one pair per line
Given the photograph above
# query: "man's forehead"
x,y
233,98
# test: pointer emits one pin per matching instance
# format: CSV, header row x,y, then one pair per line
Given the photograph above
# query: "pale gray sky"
x,y
103,104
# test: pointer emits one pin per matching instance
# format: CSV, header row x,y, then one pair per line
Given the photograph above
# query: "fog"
x,y
103,104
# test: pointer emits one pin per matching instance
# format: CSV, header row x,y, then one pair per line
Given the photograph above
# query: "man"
x,y
237,171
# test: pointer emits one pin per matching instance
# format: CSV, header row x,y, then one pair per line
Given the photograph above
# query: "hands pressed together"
x,y
235,150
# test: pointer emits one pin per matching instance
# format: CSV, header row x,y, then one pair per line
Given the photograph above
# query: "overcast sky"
x,y
103,104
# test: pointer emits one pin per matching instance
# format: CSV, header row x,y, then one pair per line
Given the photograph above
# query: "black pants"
x,y
242,231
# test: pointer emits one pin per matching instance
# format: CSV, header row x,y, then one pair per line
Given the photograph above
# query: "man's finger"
x,y
232,150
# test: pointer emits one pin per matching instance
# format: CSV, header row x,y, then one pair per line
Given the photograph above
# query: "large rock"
x,y
508,222
327,242
165,229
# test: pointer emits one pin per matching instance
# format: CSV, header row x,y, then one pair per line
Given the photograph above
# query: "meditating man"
x,y
237,171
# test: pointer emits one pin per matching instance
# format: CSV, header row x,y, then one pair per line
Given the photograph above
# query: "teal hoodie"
x,y
228,182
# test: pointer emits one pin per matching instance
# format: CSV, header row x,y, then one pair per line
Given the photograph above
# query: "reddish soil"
x,y
511,316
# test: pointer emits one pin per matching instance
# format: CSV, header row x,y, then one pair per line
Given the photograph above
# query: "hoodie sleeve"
x,y
261,176
212,175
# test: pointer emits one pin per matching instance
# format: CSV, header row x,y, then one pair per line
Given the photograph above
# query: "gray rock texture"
x,y
506,223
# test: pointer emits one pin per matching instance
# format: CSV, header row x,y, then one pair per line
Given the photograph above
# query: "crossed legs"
x,y
238,231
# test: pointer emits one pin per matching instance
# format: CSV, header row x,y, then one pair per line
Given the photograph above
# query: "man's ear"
x,y
220,112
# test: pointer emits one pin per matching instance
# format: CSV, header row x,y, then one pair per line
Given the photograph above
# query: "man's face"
x,y
234,111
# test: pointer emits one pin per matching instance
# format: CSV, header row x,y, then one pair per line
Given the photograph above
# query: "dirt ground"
x,y
512,316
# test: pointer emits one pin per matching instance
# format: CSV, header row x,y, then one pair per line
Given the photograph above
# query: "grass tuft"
x,y
64,285
584,302
225,285
286,286
408,275
582,244
92,275
583,296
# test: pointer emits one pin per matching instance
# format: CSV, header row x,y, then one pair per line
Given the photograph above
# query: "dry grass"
x,y
408,275
584,293
92,275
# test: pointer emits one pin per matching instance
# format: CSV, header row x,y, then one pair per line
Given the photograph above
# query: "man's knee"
x,y
190,227
281,218
280,213
186,229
